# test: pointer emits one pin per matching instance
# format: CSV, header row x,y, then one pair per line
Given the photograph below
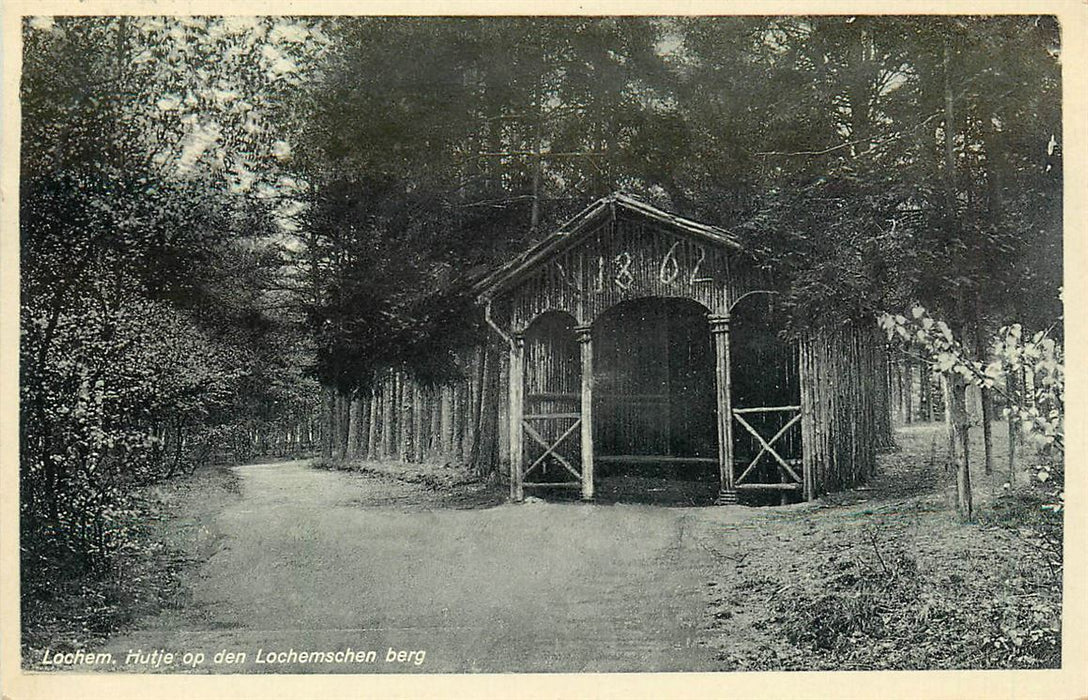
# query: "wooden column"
x,y
719,328
517,409
585,339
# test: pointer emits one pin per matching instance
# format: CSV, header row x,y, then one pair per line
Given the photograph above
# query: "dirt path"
x,y
325,561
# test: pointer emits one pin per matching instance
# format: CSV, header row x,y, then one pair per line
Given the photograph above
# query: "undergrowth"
x,y
434,476
884,608
68,604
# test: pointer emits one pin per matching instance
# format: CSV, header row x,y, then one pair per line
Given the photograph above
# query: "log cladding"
x,y
844,407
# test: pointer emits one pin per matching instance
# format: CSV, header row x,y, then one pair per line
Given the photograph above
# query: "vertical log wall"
x,y
401,418
845,407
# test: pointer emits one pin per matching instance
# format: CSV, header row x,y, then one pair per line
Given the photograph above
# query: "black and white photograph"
x,y
367,345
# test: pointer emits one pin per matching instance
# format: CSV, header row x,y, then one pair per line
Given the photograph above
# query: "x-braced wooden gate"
x,y
789,470
551,448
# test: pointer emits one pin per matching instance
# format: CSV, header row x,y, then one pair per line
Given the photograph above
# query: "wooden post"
x,y
516,409
719,328
585,338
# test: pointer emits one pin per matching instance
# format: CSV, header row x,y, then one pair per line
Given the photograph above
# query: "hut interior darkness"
x,y
642,340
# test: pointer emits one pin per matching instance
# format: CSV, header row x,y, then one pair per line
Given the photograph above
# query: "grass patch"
x,y
434,476
883,612
432,485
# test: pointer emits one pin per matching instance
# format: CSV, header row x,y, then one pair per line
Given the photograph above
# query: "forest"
x,y
260,237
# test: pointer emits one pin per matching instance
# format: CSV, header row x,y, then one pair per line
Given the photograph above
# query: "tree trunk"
x,y
949,421
908,392
477,408
927,386
987,430
372,422
345,423
355,410
364,425
459,422
487,463
1012,422
417,422
925,410
434,435
388,416
985,396
447,423
1026,398
960,423
898,398
327,412
340,429
402,419
949,136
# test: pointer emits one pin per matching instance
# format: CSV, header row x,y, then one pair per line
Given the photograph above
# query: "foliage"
x,y
1035,408
66,608
429,166
830,144
1038,407
868,170
149,259
96,411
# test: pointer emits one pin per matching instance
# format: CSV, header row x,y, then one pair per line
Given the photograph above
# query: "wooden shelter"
x,y
637,336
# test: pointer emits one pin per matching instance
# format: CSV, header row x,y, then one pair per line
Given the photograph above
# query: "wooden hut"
x,y
637,336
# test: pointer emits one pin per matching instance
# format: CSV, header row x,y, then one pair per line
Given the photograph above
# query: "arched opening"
x,y
654,414
766,397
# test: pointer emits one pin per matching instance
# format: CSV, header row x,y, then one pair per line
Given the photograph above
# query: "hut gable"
x,y
620,248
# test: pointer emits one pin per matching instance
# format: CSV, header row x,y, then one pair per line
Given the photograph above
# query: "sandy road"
x,y
325,561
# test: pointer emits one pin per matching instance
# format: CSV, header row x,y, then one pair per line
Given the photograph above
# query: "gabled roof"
x,y
583,223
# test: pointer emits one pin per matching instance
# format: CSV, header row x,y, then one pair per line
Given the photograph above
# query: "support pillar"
x,y
719,329
585,339
515,414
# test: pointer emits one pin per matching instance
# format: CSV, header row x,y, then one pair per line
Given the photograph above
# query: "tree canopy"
x,y
872,161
